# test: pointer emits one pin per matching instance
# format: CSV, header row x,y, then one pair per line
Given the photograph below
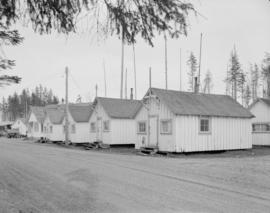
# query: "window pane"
x,y
204,125
142,127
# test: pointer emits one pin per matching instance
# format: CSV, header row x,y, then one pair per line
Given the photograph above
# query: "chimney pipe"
x,y
131,93
196,85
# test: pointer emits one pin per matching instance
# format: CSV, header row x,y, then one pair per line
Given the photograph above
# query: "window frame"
x,y
209,124
260,130
73,128
169,132
95,125
138,127
103,126
51,129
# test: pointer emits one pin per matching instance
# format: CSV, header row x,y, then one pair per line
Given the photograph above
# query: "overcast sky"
x,y
42,59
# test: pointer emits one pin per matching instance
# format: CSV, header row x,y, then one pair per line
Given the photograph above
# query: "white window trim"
x,y
138,127
170,127
95,130
109,126
71,126
210,125
260,131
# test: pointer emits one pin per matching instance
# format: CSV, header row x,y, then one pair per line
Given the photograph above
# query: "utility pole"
x,y
126,84
199,74
180,74
105,82
96,88
134,67
66,111
122,65
166,63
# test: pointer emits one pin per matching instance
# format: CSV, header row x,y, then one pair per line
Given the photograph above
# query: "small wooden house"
x,y
78,116
261,122
35,121
52,126
21,125
112,121
177,121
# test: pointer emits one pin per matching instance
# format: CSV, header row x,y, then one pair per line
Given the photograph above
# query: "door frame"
x,y
149,133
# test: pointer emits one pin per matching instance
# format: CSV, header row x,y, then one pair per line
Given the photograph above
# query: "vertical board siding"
x,y
226,134
123,131
261,111
99,112
32,132
166,142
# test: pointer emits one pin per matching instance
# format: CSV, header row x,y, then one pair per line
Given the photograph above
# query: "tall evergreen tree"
x,y
255,76
193,65
266,73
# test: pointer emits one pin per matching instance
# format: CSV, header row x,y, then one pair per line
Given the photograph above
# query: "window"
x,y
51,129
93,127
142,127
166,127
73,128
261,127
204,125
36,127
106,126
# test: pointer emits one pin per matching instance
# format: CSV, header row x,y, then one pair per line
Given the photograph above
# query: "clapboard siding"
x,y
261,111
226,134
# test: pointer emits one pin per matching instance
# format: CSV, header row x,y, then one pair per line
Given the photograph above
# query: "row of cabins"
x,y
169,120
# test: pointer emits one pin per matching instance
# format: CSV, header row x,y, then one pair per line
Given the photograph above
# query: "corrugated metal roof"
x,y
81,112
188,103
120,108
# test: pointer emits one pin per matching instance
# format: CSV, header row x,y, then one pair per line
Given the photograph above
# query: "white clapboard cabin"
x,y
112,121
35,121
78,117
21,126
261,122
192,122
52,126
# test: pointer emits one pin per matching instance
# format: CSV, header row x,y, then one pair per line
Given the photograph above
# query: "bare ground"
x,y
44,178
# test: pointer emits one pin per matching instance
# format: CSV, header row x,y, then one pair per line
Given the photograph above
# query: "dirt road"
x,y
44,178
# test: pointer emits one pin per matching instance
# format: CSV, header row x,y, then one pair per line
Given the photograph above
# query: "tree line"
x,y
245,86
18,105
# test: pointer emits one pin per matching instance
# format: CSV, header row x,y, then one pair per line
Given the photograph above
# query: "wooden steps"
x,y
149,150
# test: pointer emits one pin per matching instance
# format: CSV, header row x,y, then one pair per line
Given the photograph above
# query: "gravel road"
x,y
45,178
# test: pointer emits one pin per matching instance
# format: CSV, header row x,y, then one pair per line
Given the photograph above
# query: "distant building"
x,y
21,125
78,117
53,128
35,121
112,121
261,122
177,121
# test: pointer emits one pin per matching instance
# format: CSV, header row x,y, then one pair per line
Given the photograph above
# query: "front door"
x,y
99,129
153,130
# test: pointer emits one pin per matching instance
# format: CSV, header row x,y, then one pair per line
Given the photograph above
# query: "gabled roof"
x,y
23,120
264,100
39,112
188,103
80,112
119,108
56,115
